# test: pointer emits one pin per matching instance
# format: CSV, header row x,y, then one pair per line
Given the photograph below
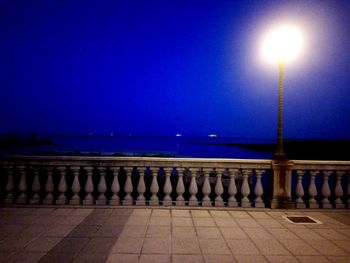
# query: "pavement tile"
x,y
327,248
344,231
42,244
203,221
259,215
258,233
214,246
84,231
331,234
141,212
62,212
27,257
298,247
158,231
59,231
4,255
219,214
133,231
137,221
200,213
313,259
161,212
180,213
186,232
154,258
182,221
233,233
219,258
70,245
336,259
72,220
122,258
14,243
63,257
108,231
250,259
279,259
185,245
10,230
187,259
82,211
242,247
283,233
115,220
90,258
160,221
247,222
269,223
239,214
156,245
343,244
307,234
128,245
208,232
225,222
270,247
99,245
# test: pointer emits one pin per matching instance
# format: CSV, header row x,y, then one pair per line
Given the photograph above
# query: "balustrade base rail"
x,y
142,181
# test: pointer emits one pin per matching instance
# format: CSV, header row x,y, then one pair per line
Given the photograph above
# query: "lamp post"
x,y
281,45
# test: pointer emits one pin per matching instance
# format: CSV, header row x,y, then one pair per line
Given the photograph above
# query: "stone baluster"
x,y
141,187
128,187
245,190
193,189
313,190
326,192
62,186
154,188
22,187
339,190
206,189
180,187
232,189
9,186
75,200
115,188
219,189
102,187
167,187
35,199
49,187
258,190
89,186
299,191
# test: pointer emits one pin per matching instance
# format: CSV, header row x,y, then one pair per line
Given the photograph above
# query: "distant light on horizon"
x,y
282,44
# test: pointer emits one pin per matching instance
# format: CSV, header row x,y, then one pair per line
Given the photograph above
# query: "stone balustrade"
x,y
133,181
321,184
171,182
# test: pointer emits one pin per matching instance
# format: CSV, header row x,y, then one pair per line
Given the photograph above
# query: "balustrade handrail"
x,y
138,161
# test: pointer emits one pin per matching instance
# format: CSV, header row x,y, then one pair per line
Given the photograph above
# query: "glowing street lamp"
x,y
281,45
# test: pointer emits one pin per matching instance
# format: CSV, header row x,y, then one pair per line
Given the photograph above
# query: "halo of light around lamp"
x,y
282,44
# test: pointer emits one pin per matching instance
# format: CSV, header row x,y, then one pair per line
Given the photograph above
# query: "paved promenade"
x,y
171,235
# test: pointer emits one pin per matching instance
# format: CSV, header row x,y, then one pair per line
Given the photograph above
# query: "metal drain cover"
x,y
302,220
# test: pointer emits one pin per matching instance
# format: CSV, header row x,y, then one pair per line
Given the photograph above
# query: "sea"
x,y
134,145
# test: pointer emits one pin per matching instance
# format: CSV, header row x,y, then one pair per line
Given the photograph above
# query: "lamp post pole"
x,y
279,154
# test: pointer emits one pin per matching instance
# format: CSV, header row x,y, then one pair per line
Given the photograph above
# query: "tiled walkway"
x,y
171,235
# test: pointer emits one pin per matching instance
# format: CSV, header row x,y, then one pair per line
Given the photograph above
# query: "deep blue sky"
x,y
167,67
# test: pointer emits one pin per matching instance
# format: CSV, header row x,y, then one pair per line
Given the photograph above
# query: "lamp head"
x,y
282,44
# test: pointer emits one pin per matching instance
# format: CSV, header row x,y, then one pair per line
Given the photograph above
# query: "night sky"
x,y
167,67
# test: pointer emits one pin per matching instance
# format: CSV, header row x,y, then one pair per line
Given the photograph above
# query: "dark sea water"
x,y
167,146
